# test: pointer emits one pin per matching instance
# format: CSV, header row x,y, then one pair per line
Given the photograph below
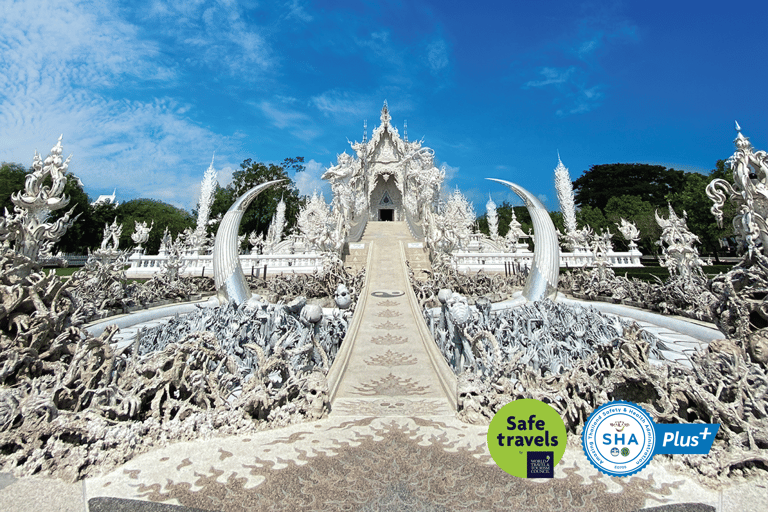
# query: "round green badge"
x,y
526,439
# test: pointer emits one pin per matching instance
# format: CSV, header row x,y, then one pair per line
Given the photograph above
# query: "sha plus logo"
x,y
620,438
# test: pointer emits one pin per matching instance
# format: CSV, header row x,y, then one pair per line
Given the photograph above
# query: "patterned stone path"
x,y
389,371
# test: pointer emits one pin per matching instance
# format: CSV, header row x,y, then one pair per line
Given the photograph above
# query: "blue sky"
x,y
145,91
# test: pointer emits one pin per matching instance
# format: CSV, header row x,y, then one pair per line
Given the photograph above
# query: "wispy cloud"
x,y
337,102
57,75
309,181
571,84
578,80
552,76
217,35
286,117
437,56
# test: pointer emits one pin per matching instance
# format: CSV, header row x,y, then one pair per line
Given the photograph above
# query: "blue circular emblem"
x,y
615,428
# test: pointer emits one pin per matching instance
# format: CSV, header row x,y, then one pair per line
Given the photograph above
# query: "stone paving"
x,y
391,442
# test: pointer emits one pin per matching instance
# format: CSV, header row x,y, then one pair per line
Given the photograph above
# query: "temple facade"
x,y
387,178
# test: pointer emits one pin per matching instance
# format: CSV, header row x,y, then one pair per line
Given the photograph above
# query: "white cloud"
x,y
552,76
309,181
571,85
57,76
437,56
216,35
343,103
283,116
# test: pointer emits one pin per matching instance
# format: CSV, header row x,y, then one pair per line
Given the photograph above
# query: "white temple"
x,y
387,179
106,199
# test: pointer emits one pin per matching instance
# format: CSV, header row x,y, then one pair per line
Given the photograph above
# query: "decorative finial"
x,y
365,130
559,162
385,117
405,130
741,141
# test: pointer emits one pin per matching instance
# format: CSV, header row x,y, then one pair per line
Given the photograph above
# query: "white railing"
x,y
496,262
145,266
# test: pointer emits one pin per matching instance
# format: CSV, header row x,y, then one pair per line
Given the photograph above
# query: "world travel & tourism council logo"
x,y
620,438
527,438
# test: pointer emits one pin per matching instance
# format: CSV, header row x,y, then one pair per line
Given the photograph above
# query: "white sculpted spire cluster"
x,y
27,228
319,225
276,228
454,223
564,189
678,252
207,190
493,218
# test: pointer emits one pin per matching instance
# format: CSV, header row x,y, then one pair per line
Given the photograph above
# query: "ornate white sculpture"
x,y
276,228
257,242
678,255
452,227
141,233
749,194
27,226
197,240
630,233
514,234
564,189
320,226
493,218
342,296
111,240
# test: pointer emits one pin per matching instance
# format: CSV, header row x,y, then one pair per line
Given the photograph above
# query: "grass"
x,y
68,271
646,273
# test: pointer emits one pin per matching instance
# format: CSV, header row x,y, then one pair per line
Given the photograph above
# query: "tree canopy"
x,y
148,210
258,215
651,183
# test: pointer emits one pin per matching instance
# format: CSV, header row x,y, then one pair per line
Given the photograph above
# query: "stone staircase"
x,y
356,254
390,366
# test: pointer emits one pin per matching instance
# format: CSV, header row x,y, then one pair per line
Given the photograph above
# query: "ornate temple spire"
x,y
365,131
741,141
564,189
405,131
385,117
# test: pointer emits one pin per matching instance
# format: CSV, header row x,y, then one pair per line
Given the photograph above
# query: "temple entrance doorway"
x,y
386,214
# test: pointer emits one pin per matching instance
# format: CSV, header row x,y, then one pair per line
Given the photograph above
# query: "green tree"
x,y
693,200
11,180
651,183
163,214
591,216
259,214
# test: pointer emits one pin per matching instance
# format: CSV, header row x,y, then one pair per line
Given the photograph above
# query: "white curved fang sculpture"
x,y
227,272
542,281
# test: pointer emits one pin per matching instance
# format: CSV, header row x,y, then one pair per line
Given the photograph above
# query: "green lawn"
x,y
645,273
66,272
